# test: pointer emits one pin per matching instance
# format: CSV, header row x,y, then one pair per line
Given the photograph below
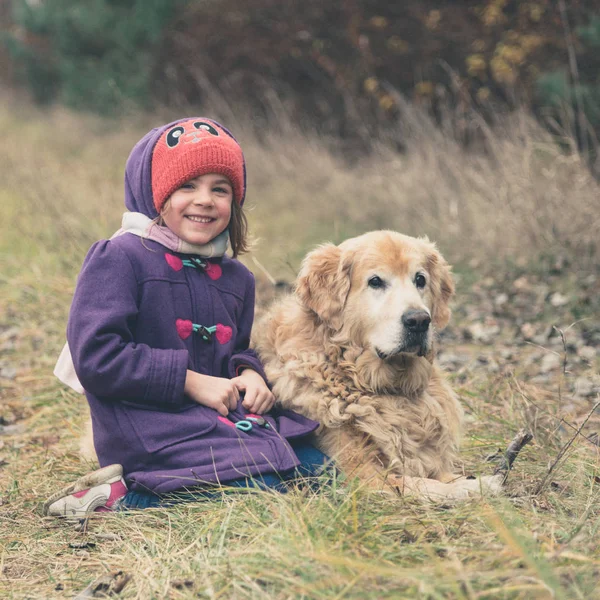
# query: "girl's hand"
x,y
258,398
214,392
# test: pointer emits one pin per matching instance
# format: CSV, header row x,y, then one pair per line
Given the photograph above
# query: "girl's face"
x,y
200,209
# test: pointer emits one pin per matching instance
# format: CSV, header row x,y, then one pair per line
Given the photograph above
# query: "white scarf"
x,y
139,224
144,227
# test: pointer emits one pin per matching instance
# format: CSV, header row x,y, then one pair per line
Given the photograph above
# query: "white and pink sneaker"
x,y
98,491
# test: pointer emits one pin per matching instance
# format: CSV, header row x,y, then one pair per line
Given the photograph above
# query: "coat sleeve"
x,y
243,357
108,361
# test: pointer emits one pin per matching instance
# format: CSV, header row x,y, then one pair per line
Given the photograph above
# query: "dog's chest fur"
x,y
401,412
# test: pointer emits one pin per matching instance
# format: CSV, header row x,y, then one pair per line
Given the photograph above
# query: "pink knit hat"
x,y
192,148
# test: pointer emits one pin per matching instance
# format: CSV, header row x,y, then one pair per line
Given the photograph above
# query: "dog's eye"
x,y
376,282
420,280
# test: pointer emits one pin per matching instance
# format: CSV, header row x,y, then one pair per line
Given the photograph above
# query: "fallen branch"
x,y
507,459
542,484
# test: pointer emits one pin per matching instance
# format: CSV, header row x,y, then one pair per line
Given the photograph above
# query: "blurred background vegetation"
x,y
339,68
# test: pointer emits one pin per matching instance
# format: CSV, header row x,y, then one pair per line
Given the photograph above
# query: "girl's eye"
x,y
206,127
220,190
420,280
174,135
376,282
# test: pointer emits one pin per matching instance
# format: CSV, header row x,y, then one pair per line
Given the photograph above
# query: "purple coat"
x,y
131,339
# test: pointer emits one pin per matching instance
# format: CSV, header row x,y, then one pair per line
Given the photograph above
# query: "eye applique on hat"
x,y
198,130
192,148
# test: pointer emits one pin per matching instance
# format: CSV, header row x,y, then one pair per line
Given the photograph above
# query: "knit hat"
x,y
191,148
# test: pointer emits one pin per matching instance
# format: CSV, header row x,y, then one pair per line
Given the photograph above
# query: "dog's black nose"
x,y
416,321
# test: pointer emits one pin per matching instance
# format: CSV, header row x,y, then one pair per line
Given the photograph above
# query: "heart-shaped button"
x,y
226,421
213,271
223,333
184,328
174,262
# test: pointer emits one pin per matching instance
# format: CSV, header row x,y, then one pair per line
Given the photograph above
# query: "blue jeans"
x,y
313,463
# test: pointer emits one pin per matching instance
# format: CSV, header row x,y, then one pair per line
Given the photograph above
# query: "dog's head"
x,y
383,290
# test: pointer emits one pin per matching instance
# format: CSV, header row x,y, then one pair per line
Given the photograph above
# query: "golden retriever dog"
x,y
354,348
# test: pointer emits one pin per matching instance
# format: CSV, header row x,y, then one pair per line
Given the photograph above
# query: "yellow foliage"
x,y
476,65
379,22
513,55
424,88
531,42
371,85
433,19
502,71
478,45
493,13
512,36
536,11
483,94
386,102
397,44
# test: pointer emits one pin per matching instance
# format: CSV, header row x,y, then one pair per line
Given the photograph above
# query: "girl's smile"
x,y
200,209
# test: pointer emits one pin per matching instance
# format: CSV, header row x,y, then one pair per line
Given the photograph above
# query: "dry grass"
x,y
516,195
60,187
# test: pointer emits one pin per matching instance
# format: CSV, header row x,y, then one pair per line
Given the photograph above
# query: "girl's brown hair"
x,y
238,230
238,227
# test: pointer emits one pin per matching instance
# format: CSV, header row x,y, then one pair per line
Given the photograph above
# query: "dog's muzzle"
x,y
416,335
416,326
416,322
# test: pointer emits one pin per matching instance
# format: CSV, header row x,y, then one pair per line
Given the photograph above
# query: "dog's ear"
x,y
324,282
442,287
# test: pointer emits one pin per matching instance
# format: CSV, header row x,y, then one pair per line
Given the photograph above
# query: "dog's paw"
x,y
460,488
485,486
492,485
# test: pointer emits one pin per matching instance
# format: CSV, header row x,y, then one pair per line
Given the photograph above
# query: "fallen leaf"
x,y
106,585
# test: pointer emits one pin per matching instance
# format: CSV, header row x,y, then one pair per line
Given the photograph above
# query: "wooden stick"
x,y
522,438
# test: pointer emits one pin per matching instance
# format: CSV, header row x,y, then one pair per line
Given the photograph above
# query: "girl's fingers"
x,y
259,404
265,403
239,383
233,398
259,409
250,398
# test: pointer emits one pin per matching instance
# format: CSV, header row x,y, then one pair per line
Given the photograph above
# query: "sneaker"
x,y
98,491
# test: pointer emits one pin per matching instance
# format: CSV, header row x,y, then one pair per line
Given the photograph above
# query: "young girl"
x,y
159,331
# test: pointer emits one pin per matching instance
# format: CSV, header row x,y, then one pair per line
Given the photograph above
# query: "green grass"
x,y
343,542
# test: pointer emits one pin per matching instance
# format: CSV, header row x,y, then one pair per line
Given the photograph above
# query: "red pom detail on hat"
x,y
213,271
184,328
223,333
192,148
174,262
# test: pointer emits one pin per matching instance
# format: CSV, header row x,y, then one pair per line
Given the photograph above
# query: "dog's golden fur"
x,y
337,351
